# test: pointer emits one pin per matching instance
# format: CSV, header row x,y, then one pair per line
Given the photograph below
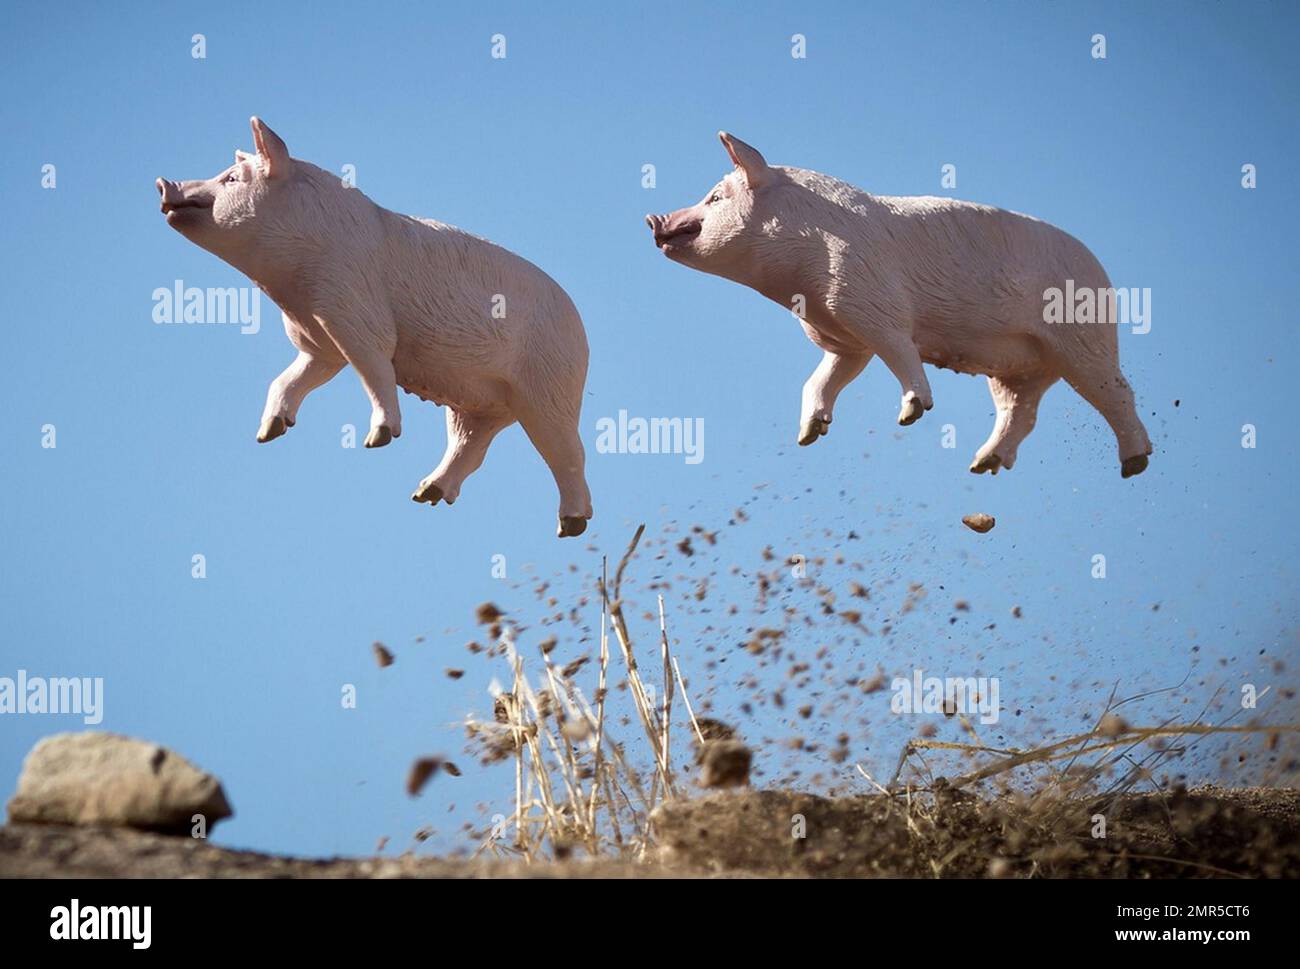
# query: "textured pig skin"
x,y
912,280
408,303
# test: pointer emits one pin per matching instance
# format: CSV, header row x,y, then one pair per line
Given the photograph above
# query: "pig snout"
x,y
182,195
676,228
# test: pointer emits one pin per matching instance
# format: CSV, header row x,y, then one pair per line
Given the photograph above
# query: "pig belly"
x,y
450,380
997,350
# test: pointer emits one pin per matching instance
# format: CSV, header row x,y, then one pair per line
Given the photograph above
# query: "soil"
x,y
1205,832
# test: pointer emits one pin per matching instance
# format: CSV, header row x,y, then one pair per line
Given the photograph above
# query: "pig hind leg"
x,y
832,375
468,438
1105,388
380,382
904,361
307,372
1016,400
370,351
555,435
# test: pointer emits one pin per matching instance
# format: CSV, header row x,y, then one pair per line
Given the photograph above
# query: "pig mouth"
x,y
677,236
175,204
175,210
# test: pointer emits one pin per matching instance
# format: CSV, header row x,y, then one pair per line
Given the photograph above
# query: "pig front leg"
x,y
1016,400
468,437
904,362
832,375
307,372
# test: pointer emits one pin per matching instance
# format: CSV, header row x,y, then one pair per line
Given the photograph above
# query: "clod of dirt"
x,y
383,656
724,763
488,613
421,771
715,729
979,522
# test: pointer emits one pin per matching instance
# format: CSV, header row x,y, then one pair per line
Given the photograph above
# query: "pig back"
x,y
463,303
984,265
472,316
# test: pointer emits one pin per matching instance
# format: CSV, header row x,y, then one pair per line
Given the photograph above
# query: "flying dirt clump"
x,y
423,769
487,614
723,763
979,522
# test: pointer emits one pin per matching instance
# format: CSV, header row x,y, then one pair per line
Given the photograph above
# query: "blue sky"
x,y
315,551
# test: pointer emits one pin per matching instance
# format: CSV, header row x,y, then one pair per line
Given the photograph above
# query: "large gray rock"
x,y
104,778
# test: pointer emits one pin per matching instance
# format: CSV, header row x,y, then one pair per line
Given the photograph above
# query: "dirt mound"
x,y
1206,832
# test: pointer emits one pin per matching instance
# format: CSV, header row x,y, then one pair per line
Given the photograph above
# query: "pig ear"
x,y
270,148
243,156
747,159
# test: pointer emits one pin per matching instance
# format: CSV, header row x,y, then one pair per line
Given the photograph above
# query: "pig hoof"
x,y
813,429
379,436
571,525
1134,465
911,412
990,462
428,492
271,428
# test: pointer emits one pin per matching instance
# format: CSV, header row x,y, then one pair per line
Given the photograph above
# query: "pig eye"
x,y
715,197
232,177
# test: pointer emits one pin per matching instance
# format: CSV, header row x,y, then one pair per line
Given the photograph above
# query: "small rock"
x,y
1112,725
104,778
979,522
575,731
383,656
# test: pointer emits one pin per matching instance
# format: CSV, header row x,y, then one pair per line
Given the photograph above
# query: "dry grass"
x,y
1112,739
575,785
